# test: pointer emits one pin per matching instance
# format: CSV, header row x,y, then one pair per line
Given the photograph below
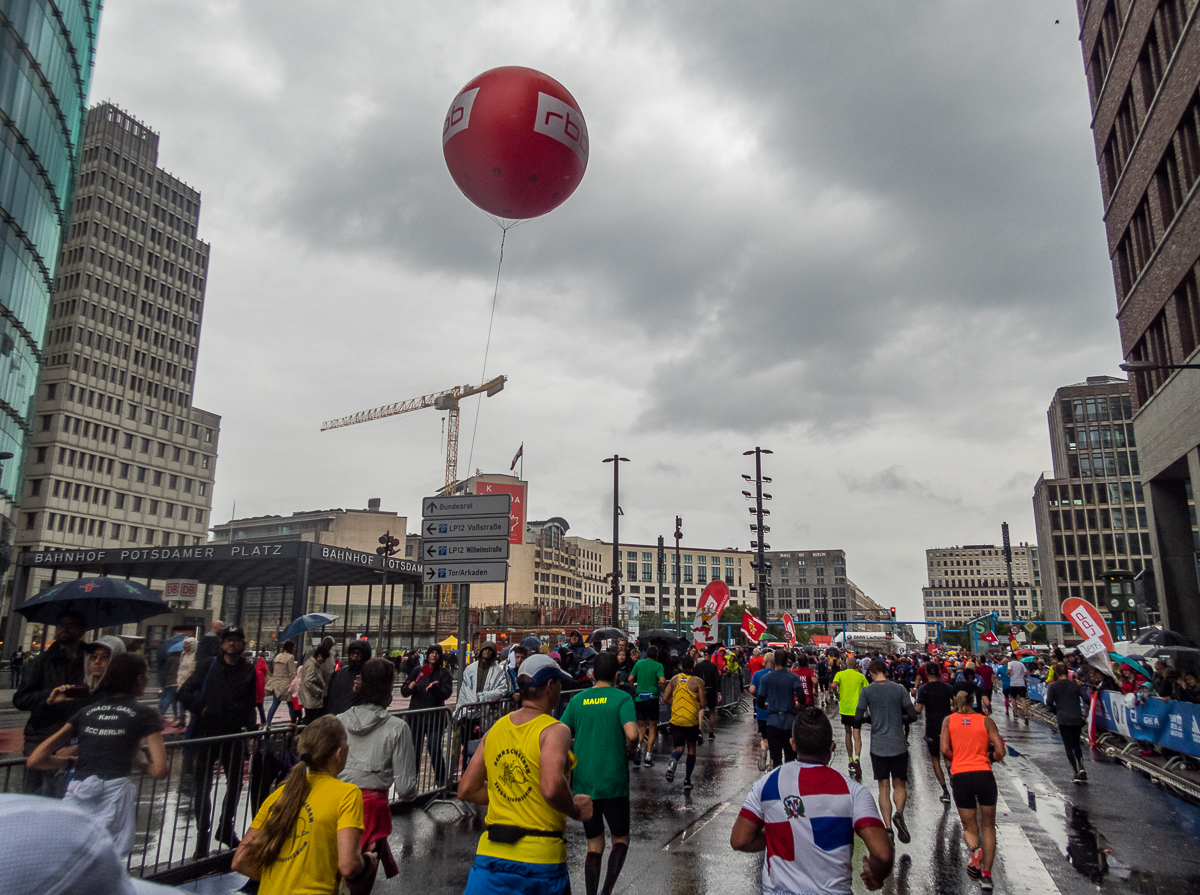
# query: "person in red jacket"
x,y
261,673
756,661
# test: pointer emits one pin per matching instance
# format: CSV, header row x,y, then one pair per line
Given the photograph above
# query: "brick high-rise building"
x,y
1143,69
118,455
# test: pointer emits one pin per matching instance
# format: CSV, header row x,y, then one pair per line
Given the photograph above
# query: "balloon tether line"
x,y
488,345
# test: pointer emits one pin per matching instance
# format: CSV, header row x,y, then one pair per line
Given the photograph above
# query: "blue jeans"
x,y
166,700
491,875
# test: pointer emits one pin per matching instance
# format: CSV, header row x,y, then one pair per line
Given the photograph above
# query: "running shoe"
x,y
764,759
648,762
856,768
687,785
973,869
901,828
1078,778
945,796
637,758
711,735
985,882
671,770
1082,776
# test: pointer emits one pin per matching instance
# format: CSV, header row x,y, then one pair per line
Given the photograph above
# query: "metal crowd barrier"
x,y
181,829
732,690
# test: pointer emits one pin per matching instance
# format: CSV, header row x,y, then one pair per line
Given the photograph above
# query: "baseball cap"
x,y
541,670
83,859
233,631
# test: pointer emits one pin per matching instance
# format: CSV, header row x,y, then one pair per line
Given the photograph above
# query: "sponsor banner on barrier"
x,y
1165,722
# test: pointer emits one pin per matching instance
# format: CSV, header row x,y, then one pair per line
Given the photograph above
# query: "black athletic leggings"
x,y
1070,734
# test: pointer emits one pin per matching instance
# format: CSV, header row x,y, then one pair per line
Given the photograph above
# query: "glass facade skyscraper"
x,y
46,56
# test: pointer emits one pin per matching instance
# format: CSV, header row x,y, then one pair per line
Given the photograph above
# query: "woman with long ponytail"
x,y
305,838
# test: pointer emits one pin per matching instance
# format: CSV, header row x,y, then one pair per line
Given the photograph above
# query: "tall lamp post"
x,y
758,528
678,581
616,460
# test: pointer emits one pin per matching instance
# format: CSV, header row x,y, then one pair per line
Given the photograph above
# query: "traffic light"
x,y
390,545
893,611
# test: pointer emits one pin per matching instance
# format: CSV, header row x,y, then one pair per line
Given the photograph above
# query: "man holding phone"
x,y
46,693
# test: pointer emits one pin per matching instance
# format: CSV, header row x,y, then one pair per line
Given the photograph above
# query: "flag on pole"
x,y
790,627
752,627
519,454
990,637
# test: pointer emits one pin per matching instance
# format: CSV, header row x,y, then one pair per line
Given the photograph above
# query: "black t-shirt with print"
x,y
109,734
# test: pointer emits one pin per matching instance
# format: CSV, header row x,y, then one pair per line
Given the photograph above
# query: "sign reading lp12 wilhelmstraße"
x,y
465,572
466,505
464,551
467,527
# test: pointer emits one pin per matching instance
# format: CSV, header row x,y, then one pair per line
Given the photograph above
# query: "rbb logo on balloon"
x,y
459,116
559,121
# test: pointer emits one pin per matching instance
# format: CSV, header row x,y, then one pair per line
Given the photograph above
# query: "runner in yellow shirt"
x,y
685,696
847,685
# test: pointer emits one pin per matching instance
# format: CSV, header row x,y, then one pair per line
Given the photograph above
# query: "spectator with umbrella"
x,y
220,695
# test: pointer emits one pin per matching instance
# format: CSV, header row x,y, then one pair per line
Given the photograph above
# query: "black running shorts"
x,y
646,709
848,721
614,812
680,736
894,767
972,788
1017,691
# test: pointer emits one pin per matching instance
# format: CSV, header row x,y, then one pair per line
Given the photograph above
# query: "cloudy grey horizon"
x,y
867,236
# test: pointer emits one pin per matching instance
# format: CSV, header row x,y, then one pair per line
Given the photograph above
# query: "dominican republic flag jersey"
x,y
810,812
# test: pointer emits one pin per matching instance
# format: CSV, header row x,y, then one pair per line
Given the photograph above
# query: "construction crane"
x,y
447,401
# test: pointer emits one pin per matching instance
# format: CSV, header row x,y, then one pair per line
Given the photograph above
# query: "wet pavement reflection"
x,y
1119,834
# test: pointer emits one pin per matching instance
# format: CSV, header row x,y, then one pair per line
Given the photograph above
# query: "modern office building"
x,y
972,580
1090,511
812,586
118,456
1142,59
46,56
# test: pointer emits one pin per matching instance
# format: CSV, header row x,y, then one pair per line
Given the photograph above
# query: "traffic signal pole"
x,y
389,546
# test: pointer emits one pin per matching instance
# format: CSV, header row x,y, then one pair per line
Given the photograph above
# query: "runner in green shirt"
x,y
848,684
648,677
602,721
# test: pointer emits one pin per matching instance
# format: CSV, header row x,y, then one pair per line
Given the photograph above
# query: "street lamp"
x,y
1146,366
758,528
616,460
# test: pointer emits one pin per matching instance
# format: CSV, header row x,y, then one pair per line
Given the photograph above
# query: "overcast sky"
x,y
865,235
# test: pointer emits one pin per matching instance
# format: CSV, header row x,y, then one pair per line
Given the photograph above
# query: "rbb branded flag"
x,y
753,627
1089,624
713,601
790,627
990,637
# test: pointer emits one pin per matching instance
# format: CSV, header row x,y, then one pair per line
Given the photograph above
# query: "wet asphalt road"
x,y
1119,834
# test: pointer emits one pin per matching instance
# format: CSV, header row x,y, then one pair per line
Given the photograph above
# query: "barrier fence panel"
x,y
187,823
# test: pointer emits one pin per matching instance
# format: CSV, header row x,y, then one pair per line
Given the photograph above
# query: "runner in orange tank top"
x,y
971,743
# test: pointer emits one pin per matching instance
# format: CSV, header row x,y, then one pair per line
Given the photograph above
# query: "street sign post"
x,y
495,526
465,572
464,551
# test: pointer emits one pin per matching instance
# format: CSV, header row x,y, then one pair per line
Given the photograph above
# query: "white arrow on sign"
x,y
464,551
466,505
468,527
466,573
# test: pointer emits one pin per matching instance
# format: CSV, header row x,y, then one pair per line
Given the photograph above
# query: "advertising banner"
x,y
713,601
1089,624
790,627
635,622
516,518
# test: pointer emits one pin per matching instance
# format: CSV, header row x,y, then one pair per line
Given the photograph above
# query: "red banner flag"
x,y
1090,625
790,627
990,637
752,627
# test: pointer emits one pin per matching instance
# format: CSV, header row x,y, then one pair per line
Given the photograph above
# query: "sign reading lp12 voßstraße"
x,y
467,527
465,505
464,551
465,572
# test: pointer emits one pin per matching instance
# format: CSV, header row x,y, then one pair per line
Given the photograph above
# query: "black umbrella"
x,y
532,643
668,638
103,602
1161,637
607,634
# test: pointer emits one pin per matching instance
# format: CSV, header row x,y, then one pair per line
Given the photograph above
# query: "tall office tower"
x,y
118,456
46,53
969,581
1143,69
1090,513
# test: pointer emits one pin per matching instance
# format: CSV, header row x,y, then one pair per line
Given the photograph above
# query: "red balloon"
x,y
515,142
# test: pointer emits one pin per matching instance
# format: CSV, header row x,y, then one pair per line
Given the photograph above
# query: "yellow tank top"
x,y
513,760
685,705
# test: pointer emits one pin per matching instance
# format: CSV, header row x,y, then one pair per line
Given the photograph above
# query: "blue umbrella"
x,y
103,602
176,647
306,623
173,644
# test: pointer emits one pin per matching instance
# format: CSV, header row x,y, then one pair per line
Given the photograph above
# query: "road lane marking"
x,y
696,826
1024,871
